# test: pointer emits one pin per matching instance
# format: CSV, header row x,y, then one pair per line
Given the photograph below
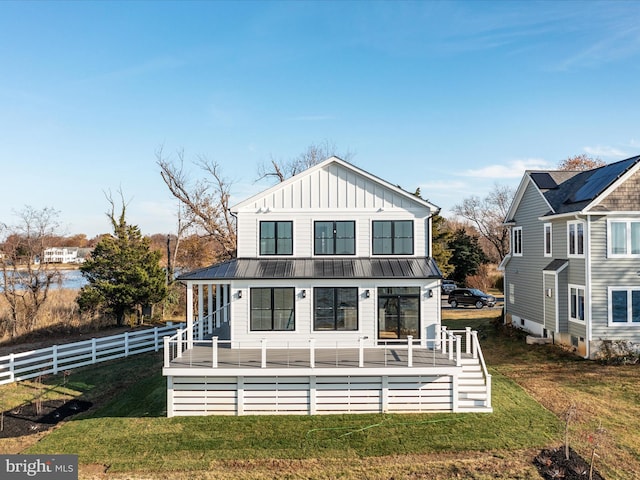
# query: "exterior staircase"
x,y
473,391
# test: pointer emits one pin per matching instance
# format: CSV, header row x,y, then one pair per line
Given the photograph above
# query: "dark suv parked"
x,y
470,296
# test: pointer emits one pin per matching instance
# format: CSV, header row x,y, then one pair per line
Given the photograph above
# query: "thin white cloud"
x,y
313,118
512,169
605,151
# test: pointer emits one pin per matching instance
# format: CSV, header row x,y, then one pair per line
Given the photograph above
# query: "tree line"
x,y
128,272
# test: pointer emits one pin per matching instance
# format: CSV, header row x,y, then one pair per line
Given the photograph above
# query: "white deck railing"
x,y
59,358
446,343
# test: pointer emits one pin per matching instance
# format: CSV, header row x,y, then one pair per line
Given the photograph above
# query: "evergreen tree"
x,y
440,238
466,255
123,272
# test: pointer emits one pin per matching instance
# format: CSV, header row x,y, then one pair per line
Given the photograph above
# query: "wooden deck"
x,y
378,357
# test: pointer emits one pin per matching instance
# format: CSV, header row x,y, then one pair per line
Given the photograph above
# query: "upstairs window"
x,y
276,238
393,237
516,241
547,239
624,238
575,239
335,238
624,305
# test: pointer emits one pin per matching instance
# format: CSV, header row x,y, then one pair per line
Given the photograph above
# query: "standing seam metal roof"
x,y
272,268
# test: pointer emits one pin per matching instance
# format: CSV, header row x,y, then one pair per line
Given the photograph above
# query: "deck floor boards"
x,y
389,357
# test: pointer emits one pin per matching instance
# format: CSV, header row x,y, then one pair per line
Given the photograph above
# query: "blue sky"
x,y
450,97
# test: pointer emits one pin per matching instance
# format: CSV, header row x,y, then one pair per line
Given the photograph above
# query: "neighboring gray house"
x,y
573,274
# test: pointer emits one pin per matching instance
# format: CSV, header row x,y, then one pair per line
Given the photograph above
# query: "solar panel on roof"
x,y
544,180
601,179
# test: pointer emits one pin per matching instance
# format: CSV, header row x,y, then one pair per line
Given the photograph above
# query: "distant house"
x,y
573,274
60,255
332,306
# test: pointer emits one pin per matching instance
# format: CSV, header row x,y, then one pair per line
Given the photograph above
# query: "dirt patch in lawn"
x,y
33,418
553,464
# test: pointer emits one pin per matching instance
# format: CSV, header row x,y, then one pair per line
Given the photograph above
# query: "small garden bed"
x,y
32,418
553,465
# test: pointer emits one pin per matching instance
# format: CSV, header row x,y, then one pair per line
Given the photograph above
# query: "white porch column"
x,y
189,315
225,301
210,308
218,305
200,310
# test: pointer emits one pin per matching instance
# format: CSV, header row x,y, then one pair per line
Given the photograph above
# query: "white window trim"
x,y
584,238
577,287
628,323
514,243
544,240
628,221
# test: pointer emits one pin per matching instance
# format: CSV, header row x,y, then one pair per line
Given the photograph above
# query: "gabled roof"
x,y
301,268
567,192
341,164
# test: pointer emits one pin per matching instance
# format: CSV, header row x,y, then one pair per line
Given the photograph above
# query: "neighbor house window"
x,y
576,303
393,237
624,305
575,238
547,239
276,238
624,238
516,244
334,238
272,309
335,308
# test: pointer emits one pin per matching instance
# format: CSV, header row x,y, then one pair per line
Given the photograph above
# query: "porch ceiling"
x,y
334,268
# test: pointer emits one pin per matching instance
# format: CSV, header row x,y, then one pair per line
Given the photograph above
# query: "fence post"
x,y
312,354
12,367
167,353
126,344
214,354
409,350
54,353
263,345
93,350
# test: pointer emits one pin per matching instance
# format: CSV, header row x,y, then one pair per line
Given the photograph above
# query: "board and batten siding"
x,y
302,395
525,272
609,272
367,312
330,193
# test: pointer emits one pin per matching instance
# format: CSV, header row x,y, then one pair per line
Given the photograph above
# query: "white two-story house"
x,y
333,268
573,275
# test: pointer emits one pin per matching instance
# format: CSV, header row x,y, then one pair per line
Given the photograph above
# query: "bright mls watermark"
x,y
51,467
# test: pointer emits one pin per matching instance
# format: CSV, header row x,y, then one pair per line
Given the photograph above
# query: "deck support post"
x,y
263,347
312,354
240,396
214,353
167,353
409,350
454,393
384,407
312,395
170,406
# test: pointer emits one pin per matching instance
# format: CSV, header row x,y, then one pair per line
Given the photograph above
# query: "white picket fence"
x,y
59,358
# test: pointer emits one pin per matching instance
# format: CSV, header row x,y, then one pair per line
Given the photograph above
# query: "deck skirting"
x,y
311,394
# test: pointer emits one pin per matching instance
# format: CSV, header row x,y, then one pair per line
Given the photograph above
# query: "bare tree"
x,y
487,215
280,170
580,163
26,278
204,203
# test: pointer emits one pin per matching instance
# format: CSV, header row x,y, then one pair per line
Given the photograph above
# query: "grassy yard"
x,y
128,435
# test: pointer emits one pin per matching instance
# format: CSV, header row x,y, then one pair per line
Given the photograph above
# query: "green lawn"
x,y
128,430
